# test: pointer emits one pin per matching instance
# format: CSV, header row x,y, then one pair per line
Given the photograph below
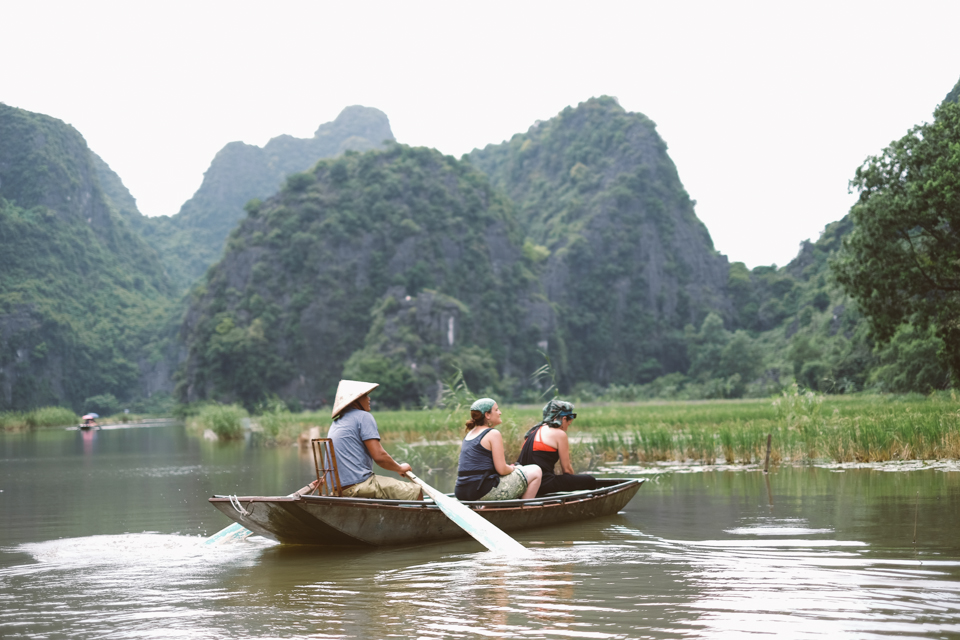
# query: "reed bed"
x,y
804,427
42,417
225,420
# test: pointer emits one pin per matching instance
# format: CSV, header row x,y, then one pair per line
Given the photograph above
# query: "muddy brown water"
x,y
101,537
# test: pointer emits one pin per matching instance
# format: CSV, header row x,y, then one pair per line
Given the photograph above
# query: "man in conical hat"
x,y
356,443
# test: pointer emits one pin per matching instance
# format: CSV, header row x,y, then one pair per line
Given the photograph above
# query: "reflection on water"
x,y
630,585
116,551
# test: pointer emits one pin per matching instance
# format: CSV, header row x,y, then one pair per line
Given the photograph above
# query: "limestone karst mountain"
x,y
399,260
626,261
575,240
82,295
193,239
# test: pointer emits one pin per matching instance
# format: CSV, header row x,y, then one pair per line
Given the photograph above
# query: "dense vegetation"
x,y
573,244
401,264
805,427
902,260
42,417
82,296
626,261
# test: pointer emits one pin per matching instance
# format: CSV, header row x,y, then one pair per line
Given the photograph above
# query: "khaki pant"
x,y
383,488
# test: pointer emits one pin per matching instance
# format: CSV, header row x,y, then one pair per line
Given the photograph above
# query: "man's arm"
x,y
383,459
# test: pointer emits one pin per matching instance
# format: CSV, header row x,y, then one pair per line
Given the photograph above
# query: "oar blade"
x,y
484,532
236,532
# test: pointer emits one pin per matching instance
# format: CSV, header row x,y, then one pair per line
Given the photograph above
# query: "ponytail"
x,y
477,419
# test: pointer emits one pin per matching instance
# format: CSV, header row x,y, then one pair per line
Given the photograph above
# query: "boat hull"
x,y
359,522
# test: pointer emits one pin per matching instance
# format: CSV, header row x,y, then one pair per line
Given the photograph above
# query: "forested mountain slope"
x,y
806,327
405,262
193,239
626,261
812,330
401,265
81,294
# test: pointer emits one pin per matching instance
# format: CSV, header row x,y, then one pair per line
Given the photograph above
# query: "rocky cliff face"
x,y
324,269
81,294
626,260
194,239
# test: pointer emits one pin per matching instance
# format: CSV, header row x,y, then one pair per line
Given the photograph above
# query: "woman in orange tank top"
x,y
546,444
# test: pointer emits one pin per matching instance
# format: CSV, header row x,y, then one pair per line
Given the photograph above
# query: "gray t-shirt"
x,y
348,433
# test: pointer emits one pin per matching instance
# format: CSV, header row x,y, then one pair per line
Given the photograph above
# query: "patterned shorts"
x,y
511,486
383,488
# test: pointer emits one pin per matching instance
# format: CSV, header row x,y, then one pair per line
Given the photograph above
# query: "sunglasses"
x,y
572,416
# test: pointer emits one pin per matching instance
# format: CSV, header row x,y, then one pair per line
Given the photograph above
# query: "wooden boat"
x,y
363,522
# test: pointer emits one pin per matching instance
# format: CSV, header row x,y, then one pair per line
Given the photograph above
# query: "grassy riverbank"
x,y
62,417
42,417
803,426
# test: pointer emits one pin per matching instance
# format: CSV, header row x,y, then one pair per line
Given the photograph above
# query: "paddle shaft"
x,y
484,532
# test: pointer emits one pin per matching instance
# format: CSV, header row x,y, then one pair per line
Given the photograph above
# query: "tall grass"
x,y
804,427
225,420
42,417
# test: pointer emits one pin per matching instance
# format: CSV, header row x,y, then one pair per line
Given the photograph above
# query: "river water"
x,y
101,537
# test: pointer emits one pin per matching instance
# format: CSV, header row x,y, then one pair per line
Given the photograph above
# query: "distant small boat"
x,y
362,522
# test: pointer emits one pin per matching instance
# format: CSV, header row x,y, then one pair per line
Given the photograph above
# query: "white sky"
x,y
767,107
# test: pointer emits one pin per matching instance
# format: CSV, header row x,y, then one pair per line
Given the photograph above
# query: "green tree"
x,y
902,260
705,348
726,361
909,363
398,385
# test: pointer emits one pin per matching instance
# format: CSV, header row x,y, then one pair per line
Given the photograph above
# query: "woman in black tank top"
x,y
483,472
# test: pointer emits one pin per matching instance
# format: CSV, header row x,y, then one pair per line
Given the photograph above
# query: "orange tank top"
x,y
539,444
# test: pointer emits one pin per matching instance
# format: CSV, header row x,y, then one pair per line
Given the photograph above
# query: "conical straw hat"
x,y
348,391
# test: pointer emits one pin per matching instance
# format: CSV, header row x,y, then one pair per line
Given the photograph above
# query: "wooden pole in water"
x,y
766,463
916,515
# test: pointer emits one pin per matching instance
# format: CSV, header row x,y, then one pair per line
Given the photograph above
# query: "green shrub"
x,y
277,422
105,404
159,404
297,182
225,420
51,417
43,417
13,421
282,427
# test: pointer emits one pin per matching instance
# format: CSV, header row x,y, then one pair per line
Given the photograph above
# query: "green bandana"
x,y
483,405
552,411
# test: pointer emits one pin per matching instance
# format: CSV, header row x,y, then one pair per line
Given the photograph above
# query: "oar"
x,y
484,532
234,533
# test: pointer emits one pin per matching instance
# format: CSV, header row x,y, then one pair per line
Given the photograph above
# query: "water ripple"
x,y
628,585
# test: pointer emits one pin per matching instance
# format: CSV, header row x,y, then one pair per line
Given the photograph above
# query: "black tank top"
x,y
476,474
546,460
